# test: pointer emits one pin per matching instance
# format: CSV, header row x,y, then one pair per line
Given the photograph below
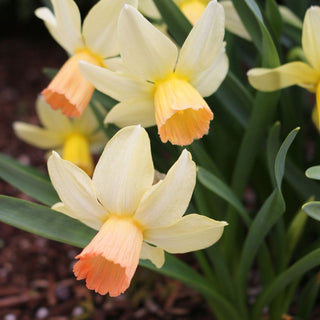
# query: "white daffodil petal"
x,y
144,49
310,37
36,136
75,189
132,112
100,26
193,232
233,21
116,85
115,64
168,200
154,254
289,74
87,123
51,119
69,24
203,42
149,9
86,219
125,170
208,81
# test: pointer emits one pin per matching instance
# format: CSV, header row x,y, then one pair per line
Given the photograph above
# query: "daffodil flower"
x,y
135,219
306,75
193,9
75,139
161,87
94,43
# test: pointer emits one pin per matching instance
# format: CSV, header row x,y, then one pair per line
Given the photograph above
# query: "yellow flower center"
x,y
76,149
192,9
181,113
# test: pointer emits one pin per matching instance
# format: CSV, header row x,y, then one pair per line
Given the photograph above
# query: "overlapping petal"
x,y
208,81
168,200
52,119
310,36
289,74
68,22
154,254
100,26
124,171
75,190
144,49
87,219
117,85
190,233
39,137
203,42
133,112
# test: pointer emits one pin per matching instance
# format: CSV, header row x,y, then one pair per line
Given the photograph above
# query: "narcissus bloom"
x,y
95,43
135,219
161,85
193,9
306,75
74,139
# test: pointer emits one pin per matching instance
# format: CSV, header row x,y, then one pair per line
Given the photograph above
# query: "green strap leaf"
x,y
29,180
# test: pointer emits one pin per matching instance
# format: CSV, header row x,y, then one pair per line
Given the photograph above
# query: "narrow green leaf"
x,y
303,265
44,222
27,179
313,172
273,144
221,189
274,18
179,26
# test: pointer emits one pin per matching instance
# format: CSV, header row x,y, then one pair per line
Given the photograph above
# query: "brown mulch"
x,y
36,279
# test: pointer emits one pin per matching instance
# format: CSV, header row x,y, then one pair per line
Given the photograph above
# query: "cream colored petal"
x,y
68,23
289,17
168,200
124,171
115,64
310,36
87,123
203,43
36,136
87,219
144,49
154,254
51,119
208,81
149,9
119,86
133,112
289,74
192,232
100,26
75,190
233,21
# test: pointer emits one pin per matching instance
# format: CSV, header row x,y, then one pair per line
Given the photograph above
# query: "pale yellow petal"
x,y
144,49
149,9
119,86
168,200
124,171
192,232
154,254
133,112
203,43
208,81
36,136
75,190
100,26
68,24
233,21
310,36
86,218
51,119
293,73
